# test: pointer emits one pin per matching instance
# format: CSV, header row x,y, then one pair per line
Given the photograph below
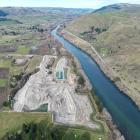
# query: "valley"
x,y
40,79
115,35
70,73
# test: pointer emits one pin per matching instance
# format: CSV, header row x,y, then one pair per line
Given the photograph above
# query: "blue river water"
x,y
124,112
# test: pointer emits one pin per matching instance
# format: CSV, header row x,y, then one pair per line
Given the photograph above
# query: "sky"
x,y
64,3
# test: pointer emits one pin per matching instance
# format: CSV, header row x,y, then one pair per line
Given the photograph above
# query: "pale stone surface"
x,y
67,106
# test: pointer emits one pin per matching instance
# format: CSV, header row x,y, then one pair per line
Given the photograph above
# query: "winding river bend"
x,y
124,113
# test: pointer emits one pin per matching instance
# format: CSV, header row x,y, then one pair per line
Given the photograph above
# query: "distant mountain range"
x,y
65,10
4,11
18,11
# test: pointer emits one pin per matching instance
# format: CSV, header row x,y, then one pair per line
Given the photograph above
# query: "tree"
x,y
55,133
85,136
69,136
92,29
6,103
81,80
33,129
98,30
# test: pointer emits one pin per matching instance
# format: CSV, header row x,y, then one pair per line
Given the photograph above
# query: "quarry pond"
x,y
124,113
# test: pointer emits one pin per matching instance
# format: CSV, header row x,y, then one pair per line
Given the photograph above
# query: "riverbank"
x,y
79,68
109,72
115,134
103,116
118,105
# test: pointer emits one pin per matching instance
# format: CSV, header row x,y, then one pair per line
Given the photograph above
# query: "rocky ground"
x,y
44,88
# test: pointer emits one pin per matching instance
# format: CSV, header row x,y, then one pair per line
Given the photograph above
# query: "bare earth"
x,y
43,88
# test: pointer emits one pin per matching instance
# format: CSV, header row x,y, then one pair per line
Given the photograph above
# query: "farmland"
x,y
22,37
10,123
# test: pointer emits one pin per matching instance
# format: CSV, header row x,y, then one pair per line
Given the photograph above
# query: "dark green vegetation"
x,y
81,80
46,131
114,31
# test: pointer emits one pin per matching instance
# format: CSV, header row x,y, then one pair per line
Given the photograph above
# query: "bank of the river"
x,y
78,66
103,118
123,111
108,71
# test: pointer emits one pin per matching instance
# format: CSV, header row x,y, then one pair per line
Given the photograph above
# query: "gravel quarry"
x,y
67,106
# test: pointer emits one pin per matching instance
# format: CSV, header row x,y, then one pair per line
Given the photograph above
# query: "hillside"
x,y
2,14
114,31
123,7
18,11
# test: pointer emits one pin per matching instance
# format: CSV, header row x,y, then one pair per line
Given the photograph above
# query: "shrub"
x,y
81,80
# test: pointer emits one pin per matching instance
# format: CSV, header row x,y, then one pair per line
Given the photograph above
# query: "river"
x,y
124,112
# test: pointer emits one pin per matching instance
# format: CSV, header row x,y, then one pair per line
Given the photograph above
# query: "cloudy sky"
x,y
64,3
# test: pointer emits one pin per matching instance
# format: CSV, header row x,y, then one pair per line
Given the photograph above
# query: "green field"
x,y
23,50
13,69
4,21
3,82
5,63
12,122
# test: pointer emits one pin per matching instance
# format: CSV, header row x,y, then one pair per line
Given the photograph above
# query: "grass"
x,y
23,50
4,21
12,121
3,82
13,69
9,123
37,19
103,52
119,45
34,62
94,116
5,63
77,132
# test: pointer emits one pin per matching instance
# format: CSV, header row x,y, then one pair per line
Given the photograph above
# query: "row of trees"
x,y
9,33
37,28
97,29
92,32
